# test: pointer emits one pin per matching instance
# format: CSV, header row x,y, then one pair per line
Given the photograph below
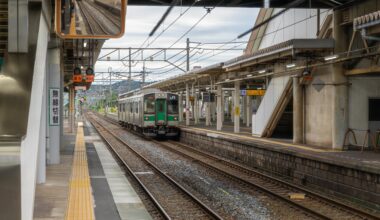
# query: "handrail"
x,y
367,138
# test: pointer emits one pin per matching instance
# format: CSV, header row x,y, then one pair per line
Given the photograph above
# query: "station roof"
x,y
195,74
243,3
280,51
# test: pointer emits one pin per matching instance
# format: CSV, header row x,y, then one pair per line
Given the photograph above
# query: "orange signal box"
x,y
90,78
77,78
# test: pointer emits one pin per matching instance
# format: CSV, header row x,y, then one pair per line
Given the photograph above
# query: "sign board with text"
x,y
54,106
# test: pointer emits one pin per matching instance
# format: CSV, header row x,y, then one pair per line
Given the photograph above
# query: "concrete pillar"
x,y
236,111
41,161
54,130
248,110
213,111
340,90
223,105
244,109
208,114
219,109
232,106
187,105
180,101
72,109
297,112
193,103
196,108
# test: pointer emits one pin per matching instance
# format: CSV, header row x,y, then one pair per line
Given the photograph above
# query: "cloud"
x,y
221,25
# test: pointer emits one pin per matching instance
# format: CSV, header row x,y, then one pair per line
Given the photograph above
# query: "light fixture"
x,y
85,44
290,65
249,75
262,71
227,80
332,57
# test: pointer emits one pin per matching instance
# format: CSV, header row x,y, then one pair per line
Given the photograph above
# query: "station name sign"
x,y
54,104
252,92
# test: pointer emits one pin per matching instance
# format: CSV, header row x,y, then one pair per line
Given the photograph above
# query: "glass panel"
x,y
173,107
149,104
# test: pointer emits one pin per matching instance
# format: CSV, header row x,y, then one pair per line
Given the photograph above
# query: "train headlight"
x,y
147,118
175,119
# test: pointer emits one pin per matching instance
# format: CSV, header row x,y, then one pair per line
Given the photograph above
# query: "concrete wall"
x,y
318,109
360,90
295,23
358,183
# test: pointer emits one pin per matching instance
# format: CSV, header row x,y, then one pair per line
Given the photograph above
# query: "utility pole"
x,y
143,76
187,54
130,69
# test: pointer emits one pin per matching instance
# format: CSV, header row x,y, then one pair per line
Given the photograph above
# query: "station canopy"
x,y
243,3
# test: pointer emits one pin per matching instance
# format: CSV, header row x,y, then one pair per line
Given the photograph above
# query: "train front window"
x,y
173,107
149,104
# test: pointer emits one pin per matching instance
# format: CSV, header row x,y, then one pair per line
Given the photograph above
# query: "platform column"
x,y
340,89
297,112
236,110
187,105
232,106
180,101
208,114
54,129
219,109
196,108
72,109
244,109
248,110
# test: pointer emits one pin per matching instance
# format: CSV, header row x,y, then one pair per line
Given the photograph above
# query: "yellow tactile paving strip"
x,y
80,204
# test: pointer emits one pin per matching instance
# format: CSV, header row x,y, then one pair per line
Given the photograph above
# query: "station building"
x,y
308,75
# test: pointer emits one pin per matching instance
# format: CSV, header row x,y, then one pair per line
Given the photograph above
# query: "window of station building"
x,y
173,107
373,109
149,104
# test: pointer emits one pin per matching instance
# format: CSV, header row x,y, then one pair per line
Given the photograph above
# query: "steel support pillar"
x,y
187,105
297,112
219,108
232,106
237,107
248,110
180,101
244,109
340,89
72,109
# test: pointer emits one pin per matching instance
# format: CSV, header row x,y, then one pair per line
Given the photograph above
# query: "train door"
x,y
161,112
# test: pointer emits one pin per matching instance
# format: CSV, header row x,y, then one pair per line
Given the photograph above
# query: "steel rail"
x,y
129,169
251,172
202,205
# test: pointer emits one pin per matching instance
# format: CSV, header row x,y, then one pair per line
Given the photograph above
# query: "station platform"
x,y
88,184
350,174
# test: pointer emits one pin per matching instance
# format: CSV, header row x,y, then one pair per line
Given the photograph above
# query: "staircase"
x,y
276,98
3,30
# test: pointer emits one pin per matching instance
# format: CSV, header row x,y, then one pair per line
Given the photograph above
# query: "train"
x,y
152,112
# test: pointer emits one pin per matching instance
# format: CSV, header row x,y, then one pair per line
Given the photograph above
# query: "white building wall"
x,y
360,90
295,23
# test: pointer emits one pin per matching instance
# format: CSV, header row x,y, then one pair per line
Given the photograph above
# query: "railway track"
x,y
171,199
314,203
321,206
97,22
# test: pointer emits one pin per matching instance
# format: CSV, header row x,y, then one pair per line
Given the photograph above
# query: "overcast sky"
x,y
220,25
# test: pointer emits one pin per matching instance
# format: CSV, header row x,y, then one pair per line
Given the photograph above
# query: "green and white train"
x,y
150,112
